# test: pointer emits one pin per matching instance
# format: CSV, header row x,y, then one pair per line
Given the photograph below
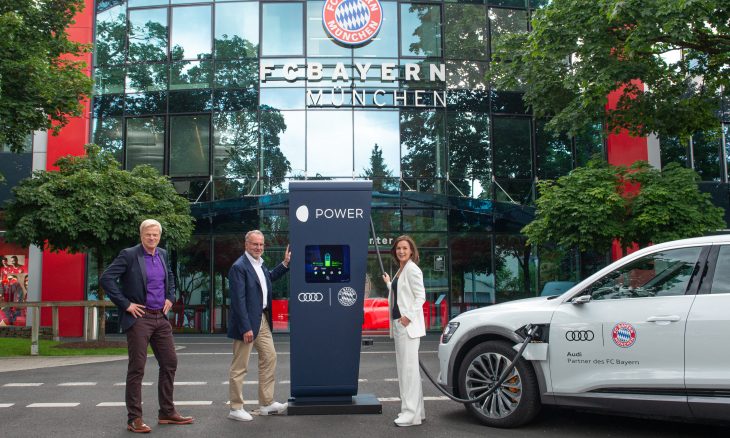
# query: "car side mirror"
x,y
581,299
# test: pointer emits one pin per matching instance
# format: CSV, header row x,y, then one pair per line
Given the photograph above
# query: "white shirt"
x,y
257,266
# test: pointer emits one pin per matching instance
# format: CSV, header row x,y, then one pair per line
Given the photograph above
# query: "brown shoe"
x,y
138,426
175,418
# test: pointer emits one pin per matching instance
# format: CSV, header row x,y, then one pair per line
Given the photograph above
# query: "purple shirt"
x,y
155,281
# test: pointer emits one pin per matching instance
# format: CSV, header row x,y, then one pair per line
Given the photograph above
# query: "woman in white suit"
x,y
406,296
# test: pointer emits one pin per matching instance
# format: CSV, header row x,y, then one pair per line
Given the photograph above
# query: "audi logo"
x,y
579,335
310,297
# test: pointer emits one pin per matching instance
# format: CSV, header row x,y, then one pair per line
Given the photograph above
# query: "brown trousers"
x,y
264,344
153,330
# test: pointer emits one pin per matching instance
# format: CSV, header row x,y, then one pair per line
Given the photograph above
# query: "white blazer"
x,y
411,296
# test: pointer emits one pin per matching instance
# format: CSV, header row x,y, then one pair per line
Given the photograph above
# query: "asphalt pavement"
x,y
84,397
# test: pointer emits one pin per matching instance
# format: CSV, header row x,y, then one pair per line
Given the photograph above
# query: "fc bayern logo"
x,y
623,334
352,22
347,296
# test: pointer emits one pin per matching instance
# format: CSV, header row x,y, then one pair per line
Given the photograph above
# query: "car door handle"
x,y
664,318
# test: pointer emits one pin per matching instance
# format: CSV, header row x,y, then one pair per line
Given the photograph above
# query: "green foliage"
x,y
594,205
378,170
41,85
581,50
91,205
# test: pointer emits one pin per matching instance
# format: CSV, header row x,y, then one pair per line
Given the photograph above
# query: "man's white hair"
x,y
252,232
147,223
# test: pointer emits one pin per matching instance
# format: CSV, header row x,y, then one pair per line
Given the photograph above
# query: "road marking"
x,y
22,384
285,382
77,384
111,404
246,402
190,383
437,398
388,399
287,353
6,405
362,380
245,382
52,405
390,380
125,384
193,403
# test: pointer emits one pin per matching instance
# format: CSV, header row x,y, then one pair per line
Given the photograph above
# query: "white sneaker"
x,y
273,409
239,415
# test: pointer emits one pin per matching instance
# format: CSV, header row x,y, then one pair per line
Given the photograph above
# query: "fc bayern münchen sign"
x,y
352,22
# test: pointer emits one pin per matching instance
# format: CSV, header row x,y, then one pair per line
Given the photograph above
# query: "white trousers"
x,y
409,375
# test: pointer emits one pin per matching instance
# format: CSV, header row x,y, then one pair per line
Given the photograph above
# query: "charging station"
x,y
328,233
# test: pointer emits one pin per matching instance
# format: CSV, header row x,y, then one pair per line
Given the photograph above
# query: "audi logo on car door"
x,y
579,335
310,297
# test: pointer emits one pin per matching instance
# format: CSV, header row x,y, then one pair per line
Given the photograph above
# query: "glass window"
x,y
377,148
237,74
190,101
283,32
589,144
468,75
286,131
273,127
275,71
423,145
470,160
515,268
107,133
145,103
282,98
706,147
465,31
511,143
554,157
111,28
189,145
145,142
236,144
373,73
146,77
318,42
190,74
472,272
191,311
109,80
191,33
148,35
329,143
721,280
660,274
385,43
424,220
420,30
506,21
139,3
236,30
673,150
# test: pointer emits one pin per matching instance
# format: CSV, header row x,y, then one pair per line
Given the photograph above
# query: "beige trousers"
x,y
264,344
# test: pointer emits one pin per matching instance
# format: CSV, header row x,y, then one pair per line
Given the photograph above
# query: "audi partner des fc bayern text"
x,y
647,335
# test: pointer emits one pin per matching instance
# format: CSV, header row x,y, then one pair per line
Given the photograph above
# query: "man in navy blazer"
x,y
146,294
249,325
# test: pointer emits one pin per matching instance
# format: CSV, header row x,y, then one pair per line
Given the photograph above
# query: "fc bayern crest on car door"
x,y
352,22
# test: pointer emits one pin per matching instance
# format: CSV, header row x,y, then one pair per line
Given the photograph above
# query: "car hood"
x,y
513,314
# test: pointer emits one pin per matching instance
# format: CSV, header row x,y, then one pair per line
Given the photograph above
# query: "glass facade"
x,y
223,97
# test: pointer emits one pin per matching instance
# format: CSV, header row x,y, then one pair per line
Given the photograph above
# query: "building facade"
x,y
234,99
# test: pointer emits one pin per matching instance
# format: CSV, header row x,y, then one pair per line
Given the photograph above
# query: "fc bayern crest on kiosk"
x,y
352,22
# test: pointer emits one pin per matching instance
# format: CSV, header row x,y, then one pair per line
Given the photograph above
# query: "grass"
x,y
10,347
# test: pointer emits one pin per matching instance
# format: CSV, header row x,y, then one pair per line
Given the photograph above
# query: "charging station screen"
x,y
327,263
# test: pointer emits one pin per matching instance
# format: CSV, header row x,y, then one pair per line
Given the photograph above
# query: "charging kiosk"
x,y
328,232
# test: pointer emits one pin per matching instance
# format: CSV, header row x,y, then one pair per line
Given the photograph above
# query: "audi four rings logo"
x,y
310,297
579,335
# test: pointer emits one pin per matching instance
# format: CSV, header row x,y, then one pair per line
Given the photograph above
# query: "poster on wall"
x,y
13,289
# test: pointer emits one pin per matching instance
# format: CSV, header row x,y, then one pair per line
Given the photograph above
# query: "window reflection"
x,y
385,43
465,31
189,145
291,143
511,140
236,30
318,42
420,30
191,33
673,150
515,268
111,28
329,143
377,148
108,80
191,310
472,273
236,144
275,163
145,142
237,74
706,147
107,133
423,149
282,98
470,161
506,21
554,156
282,29
190,74
146,77
148,35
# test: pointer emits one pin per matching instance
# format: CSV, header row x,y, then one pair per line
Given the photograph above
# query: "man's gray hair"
x,y
252,232
147,223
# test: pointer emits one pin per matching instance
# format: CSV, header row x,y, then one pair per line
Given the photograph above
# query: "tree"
x,y
41,82
579,51
378,171
594,205
90,205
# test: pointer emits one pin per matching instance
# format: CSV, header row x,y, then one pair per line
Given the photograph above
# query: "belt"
x,y
154,311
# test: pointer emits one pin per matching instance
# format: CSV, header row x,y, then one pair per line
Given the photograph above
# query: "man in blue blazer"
x,y
249,325
146,294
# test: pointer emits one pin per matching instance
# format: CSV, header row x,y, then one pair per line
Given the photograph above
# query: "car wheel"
x,y
515,403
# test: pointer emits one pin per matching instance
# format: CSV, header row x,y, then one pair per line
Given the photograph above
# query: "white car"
x,y
647,335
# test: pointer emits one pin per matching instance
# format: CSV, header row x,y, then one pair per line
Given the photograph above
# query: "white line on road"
x,y
125,384
6,405
390,380
22,384
285,382
437,398
111,404
388,399
284,353
52,405
77,384
193,403
190,383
